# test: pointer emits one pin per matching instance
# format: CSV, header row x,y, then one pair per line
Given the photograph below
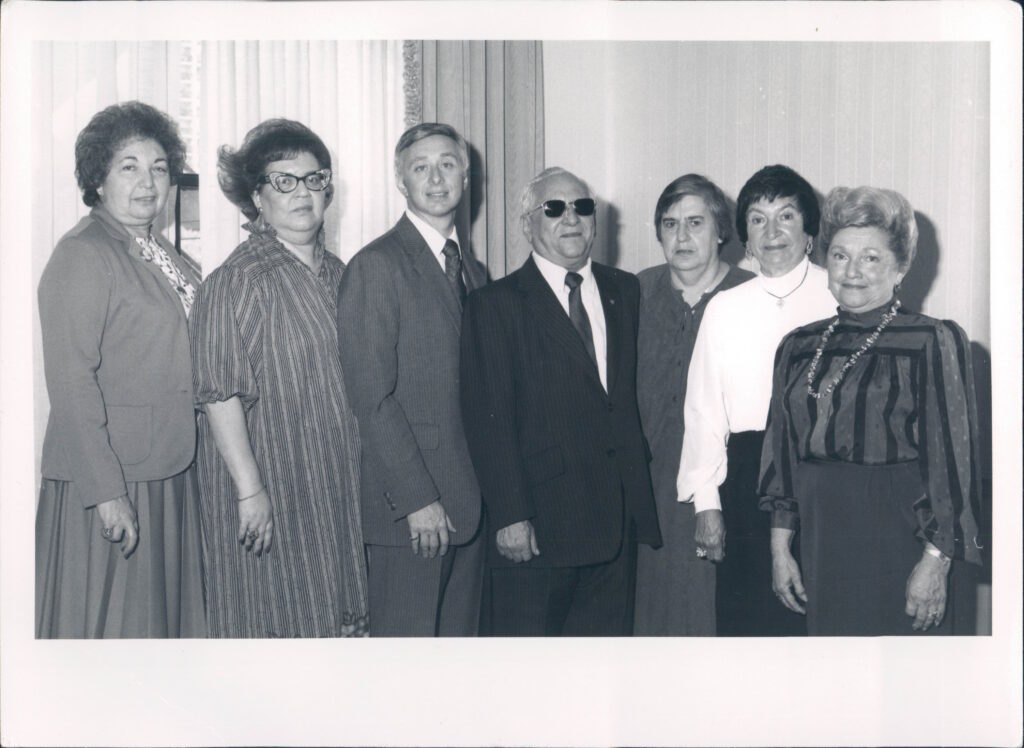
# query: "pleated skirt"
x,y
85,588
858,546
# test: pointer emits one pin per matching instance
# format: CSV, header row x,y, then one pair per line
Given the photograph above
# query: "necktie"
x,y
453,269
578,314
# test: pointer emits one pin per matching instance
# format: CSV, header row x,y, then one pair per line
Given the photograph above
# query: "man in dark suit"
x,y
399,321
549,402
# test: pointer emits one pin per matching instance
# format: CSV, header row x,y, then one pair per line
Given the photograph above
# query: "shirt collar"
x,y
430,235
555,274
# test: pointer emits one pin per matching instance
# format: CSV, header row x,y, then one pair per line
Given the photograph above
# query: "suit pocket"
x,y
427,435
130,428
543,466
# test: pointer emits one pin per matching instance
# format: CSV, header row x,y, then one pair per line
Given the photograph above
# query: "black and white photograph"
x,y
617,373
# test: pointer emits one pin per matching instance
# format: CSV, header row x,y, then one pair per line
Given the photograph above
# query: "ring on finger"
x,y
107,532
701,553
252,535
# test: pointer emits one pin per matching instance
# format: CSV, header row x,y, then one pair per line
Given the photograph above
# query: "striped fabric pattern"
x,y
910,397
263,328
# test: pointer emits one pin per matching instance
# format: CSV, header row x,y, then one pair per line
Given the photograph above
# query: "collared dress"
x,y
263,329
675,590
887,461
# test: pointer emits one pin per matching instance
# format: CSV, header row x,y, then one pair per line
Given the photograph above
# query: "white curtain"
x,y
348,92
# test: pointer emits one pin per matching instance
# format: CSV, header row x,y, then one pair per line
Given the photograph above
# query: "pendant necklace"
x,y
780,300
851,359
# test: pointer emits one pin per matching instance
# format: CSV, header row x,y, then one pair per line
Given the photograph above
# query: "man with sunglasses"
x,y
399,322
548,380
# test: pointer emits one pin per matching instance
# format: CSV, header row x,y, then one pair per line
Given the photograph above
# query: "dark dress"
x,y
887,461
675,590
264,329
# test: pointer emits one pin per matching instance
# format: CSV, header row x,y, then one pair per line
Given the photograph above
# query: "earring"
x,y
747,253
810,246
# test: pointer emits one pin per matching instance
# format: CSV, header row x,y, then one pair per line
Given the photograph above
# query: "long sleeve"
x,y
703,462
778,455
488,393
74,294
368,336
949,445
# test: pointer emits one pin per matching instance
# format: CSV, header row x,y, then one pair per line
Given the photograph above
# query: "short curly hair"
x,y
770,183
239,171
706,190
109,130
861,207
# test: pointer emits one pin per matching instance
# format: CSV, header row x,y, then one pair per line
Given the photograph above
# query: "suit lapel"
x,y
611,301
426,265
541,301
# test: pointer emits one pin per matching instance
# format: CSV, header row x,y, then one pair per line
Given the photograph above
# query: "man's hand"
x,y
710,534
428,530
517,542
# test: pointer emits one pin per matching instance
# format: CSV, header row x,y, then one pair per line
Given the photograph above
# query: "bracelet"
x,y
932,551
250,496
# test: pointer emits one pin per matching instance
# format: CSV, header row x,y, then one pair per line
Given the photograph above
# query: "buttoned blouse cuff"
x,y
785,512
706,498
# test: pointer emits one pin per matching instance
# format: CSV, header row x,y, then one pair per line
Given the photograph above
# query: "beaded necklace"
x,y
851,359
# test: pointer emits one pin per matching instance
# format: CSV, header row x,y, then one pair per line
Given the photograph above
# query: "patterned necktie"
x,y
578,314
453,269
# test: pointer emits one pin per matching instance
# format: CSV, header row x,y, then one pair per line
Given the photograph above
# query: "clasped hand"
x,y
518,541
120,522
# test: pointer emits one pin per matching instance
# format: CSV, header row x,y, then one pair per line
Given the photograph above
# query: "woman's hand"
x,y
256,522
120,523
926,592
709,535
787,584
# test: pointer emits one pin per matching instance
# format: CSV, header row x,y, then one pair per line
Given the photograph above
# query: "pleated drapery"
x,y
493,93
348,92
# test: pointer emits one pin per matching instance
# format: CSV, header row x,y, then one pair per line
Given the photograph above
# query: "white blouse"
x,y
729,385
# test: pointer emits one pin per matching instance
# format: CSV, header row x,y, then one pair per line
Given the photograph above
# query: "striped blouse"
x,y
909,397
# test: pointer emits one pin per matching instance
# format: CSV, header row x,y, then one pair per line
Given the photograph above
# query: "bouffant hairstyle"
x,y
109,130
528,197
425,130
869,206
239,171
706,190
773,182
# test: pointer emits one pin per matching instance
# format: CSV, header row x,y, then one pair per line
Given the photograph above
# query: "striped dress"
x,y
263,328
888,460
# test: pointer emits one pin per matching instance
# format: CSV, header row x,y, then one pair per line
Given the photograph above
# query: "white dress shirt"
x,y
590,295
729,386
433,237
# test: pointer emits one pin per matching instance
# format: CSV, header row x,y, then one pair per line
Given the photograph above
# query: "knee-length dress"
x,y
887,461
264,329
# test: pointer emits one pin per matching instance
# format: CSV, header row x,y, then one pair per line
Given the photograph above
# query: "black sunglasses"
x,y
582,206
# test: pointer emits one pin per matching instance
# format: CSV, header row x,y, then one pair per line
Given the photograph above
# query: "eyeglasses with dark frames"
x,y
282,181
582,206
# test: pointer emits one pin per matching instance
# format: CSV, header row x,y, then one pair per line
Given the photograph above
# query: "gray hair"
x,y
861,207
528,197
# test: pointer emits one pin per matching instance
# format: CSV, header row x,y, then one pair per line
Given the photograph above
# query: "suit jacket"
x,y
548,443
398,331
117,363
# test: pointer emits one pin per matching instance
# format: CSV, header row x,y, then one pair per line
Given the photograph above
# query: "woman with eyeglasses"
x,y
278,442
117,527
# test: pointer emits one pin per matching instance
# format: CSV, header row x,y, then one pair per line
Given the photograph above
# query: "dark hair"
x,y
425,130
239,171
109,130
706,190
773,182
868,206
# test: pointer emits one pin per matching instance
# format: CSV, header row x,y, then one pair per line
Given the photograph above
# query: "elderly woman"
x,y
872,440
675,592
117,535
278,443
728,393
